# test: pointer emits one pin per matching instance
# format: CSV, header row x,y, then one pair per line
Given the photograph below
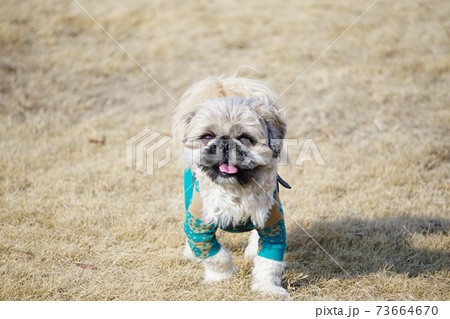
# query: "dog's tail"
x,y
216,87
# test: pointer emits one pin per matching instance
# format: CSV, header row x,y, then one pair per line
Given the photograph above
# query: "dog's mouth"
x,y
233,173
228,169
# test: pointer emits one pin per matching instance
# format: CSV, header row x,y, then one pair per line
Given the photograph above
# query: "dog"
x,y
232,134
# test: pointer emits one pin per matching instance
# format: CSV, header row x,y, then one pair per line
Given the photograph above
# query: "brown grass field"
x,y
77,224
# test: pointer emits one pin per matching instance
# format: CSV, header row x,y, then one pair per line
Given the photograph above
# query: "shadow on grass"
x,y
397,245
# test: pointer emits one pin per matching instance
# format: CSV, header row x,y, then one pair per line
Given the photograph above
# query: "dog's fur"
x,y
233,120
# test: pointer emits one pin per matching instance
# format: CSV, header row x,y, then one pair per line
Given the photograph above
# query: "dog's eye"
x,y
207,137
245,139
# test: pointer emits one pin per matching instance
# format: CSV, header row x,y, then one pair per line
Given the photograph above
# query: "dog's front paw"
x,y
267,276
219,267
188,254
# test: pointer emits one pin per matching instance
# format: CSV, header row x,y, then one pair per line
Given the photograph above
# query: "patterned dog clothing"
x,y
202,237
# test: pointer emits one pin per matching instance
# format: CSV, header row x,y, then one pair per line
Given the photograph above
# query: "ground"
x,y
80,78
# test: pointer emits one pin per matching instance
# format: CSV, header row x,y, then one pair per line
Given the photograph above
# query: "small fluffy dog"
x,y
232,136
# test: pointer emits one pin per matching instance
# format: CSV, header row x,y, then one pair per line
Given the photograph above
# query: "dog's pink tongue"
x,y
229,169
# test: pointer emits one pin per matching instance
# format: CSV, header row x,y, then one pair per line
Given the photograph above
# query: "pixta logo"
x,y
148,151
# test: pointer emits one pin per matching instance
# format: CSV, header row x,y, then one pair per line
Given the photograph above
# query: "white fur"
x,y
252,247
227,204
246,104
267,276
218,267
188,254
216,87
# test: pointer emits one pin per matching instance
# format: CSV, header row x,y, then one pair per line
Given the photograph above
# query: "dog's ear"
x,y
276,126
276,130
185,122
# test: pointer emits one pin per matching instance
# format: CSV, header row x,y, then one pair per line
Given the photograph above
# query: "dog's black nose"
x,y
224,149
225,146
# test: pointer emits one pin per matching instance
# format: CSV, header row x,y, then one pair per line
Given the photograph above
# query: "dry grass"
x,y
376,105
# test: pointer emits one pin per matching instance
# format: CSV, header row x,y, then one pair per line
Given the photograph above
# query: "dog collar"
x,y
283,182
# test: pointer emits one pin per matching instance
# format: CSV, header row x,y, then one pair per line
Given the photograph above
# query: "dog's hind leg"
x,y
252,247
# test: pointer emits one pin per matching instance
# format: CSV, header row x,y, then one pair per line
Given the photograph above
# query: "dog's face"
x,y
232,139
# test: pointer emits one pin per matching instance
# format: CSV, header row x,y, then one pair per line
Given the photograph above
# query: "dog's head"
x,y
232,138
